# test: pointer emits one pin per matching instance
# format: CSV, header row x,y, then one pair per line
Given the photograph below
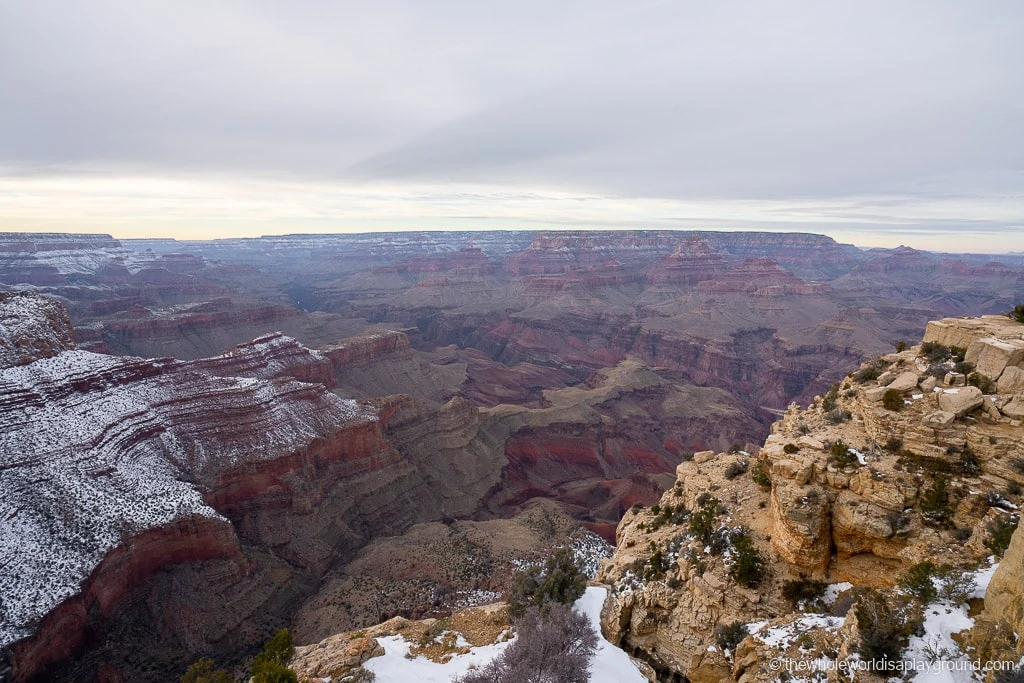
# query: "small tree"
x,y
901,346
748,566
202,671
935,506
892,400
271,663
919,581
560,580
999,534
1017,313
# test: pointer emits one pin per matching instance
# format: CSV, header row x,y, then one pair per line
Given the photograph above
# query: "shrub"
x,y
892,400
735,469
360,675
760,475
728,636
955,585
894,444
983,382
901,346
935,352
702,522
919,581
269,666
1013,489
963,367
841,455
790,448
803,590
968,463
748,565
828,403
202,672
553,647
1018,465
1017,313
935,507
884,626
1000,533
560,580
837,416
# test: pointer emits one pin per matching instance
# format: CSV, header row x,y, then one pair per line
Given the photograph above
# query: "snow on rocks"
x,y
609,665
94,448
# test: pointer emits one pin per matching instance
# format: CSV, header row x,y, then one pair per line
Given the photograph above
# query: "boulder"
x,y
703,457
955,379
1011,381
927,384
1015,408
886,377
991,356
960,401
904,382
938,419
875,394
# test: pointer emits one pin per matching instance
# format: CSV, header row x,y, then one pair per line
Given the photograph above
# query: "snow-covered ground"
x,y
941,620
609,665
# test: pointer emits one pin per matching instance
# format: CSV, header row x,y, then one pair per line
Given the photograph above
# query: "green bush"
x,y
841,455
919,581
560,580
728,636
901,346
803,590
935,505
892,400
1017,313
202,671
760,476
968,464
983,382
999,534
748,565
702,522
270,665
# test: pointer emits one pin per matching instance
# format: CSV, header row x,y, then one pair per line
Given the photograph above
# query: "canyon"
x,y
206,441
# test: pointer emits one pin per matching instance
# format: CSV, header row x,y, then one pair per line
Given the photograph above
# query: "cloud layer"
x,y
891,111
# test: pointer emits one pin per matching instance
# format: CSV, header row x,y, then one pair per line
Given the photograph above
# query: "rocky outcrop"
x,y
270,356
760,277
367,348
32,327
850,491
693,261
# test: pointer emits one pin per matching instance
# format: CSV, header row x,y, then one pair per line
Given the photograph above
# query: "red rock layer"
x,y
365,348
64,632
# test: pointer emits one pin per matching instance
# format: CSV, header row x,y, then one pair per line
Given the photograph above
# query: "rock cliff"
x,y
902,462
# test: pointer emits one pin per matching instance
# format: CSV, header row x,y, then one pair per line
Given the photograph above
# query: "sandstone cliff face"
x,y
849,496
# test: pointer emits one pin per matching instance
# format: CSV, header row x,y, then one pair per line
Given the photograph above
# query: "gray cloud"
x,y
683,100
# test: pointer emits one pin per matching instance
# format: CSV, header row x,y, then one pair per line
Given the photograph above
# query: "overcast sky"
x,y
878,123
